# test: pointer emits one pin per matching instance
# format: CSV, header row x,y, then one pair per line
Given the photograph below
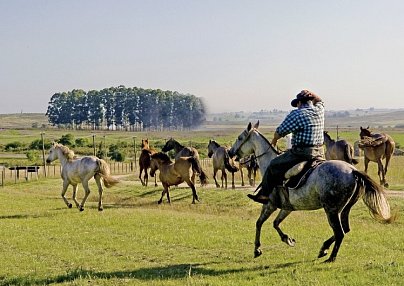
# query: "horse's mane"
x,y
266,140
175,142
69,154
162,156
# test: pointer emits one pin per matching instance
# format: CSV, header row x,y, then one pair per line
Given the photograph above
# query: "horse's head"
x,y
365,132
145,143
243,146
212,146
170,144
53,154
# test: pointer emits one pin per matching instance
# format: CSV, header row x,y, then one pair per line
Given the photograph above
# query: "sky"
x,y
237,55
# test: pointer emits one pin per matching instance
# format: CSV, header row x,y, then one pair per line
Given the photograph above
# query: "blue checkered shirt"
x,y
306,125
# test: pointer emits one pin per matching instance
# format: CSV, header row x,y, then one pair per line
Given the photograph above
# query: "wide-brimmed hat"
x,y
304,95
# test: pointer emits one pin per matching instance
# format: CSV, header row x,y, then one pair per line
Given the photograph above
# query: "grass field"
x,y
134,241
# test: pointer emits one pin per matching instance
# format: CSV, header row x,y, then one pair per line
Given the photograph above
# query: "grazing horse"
x,y
250,163
339,150
221,161
375,148
182,151
81,170
144,162
174,173
333,185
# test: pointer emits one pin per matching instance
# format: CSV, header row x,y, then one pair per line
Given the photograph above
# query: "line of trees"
x,y
122,108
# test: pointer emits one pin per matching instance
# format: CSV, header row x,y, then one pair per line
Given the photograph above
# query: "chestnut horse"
x,y
375,148
339,150
144,162
174,173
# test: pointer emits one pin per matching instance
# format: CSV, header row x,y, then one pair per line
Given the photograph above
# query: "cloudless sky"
x,y
237,55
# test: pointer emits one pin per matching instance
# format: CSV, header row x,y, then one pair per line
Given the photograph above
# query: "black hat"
x,y
304,96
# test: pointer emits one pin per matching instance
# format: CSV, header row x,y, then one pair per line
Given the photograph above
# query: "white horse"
x,y
75,171
334,186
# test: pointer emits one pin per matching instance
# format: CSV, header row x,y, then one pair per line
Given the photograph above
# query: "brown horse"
x,y
174,173
221,161
339,150
144,162
182,151
377,147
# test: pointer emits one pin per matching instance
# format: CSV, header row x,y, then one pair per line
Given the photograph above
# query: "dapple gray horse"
x,y
334,185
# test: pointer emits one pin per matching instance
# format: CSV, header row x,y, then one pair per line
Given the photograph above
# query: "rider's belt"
x,y
308,145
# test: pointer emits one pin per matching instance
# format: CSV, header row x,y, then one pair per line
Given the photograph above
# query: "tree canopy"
x,y
123,108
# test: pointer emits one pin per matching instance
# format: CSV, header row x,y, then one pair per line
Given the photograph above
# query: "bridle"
x,y
256,156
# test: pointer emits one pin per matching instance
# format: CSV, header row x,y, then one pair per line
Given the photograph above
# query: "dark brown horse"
x,y
174,173
377,147
144,162
182,151
339,150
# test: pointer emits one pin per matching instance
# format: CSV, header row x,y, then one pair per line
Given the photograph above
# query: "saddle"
x,y
374,141
296,176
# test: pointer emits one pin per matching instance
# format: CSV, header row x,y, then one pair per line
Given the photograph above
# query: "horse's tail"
x,y
105,173
348,152
229,167
375,198
196,166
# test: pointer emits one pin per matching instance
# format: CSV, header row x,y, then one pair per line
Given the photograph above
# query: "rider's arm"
x,y
276,138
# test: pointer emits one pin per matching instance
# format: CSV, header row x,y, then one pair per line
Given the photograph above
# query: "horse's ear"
x,y
249,126
368,127
257,124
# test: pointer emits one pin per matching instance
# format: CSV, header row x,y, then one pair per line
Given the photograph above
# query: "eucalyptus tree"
x,y
95,109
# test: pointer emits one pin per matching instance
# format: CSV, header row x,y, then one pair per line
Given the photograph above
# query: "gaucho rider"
x,y
306,124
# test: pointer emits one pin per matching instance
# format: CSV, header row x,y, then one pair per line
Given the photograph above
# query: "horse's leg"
x,y
100,191
192,186
366,164
146,177
64,189
233,186
224,176
266,211
284,237
86,194
155,181
380,172
74,196
165,189
140,176
214,177
241,174
335,223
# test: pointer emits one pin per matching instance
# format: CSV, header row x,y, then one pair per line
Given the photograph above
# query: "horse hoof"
x,y
100,209
81,209
322,253
257,253
159,202
217,186
291,242
69,206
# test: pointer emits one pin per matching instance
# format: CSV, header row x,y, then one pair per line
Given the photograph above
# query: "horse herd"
x,y
335,185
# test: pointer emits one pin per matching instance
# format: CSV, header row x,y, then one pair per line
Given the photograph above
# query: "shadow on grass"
x,y
170,272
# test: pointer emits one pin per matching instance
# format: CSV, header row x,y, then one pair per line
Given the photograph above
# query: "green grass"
x,y
134,241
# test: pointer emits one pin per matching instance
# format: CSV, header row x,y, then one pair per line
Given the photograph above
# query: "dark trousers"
x,y
274,174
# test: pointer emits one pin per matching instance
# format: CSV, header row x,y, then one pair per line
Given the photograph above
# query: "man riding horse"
x,y
306,124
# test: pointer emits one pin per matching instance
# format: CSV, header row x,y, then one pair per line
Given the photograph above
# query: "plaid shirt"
x,y
306,125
